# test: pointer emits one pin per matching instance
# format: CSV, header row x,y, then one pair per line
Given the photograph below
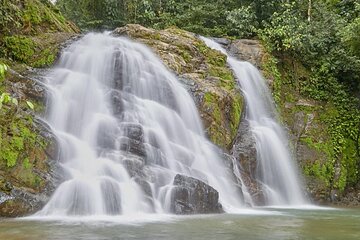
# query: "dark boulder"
x,y
192,196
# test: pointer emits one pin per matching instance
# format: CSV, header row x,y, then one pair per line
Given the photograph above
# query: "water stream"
x,y
275,170
126,127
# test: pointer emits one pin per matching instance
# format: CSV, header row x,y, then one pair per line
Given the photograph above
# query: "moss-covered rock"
x,y
205,73
27,149
31,35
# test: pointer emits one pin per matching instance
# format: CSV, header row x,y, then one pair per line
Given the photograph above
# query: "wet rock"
x,y
223,41
134,166
133,131
192,196
247,50
244,150
24,87
117,102
118,71
21,202
132,146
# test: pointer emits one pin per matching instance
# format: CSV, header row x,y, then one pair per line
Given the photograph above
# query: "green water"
x,y
270,224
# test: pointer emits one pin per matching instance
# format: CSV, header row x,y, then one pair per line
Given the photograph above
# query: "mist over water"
x,y
126,127
276,171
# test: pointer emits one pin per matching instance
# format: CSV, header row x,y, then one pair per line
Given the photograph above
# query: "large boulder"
x,y
192,196
203,71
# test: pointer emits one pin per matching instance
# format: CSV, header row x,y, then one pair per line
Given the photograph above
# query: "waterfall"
x,y
125,128
275,171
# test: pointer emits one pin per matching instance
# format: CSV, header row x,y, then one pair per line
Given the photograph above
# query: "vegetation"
x,y
29,31
321,43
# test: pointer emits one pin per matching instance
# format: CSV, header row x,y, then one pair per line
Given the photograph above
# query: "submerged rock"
x,y
192,196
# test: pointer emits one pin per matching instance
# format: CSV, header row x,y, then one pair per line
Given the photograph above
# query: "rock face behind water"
x,y
203,71
192,196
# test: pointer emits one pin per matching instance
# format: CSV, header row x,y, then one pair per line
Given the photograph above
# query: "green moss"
x,y
217,65
235,115
322,171
215,58
45,59
226,77
21,146
38,51
212,104
20,48
184,53
26,163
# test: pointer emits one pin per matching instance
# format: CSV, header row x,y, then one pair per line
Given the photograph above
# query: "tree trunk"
x,y
309,11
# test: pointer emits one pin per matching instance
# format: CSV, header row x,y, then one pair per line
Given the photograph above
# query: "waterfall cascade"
x,y
110,98
275,170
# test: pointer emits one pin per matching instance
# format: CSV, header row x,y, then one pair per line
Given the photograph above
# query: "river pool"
x,y
339,224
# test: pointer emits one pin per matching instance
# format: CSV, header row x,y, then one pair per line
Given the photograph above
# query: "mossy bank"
x,y
31,35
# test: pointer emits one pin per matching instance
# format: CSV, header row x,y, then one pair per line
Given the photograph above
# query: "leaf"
x,y
2,70
30,105
5,98
0,105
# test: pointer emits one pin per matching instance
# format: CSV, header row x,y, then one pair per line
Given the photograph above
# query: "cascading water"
x,y
110,98
278,176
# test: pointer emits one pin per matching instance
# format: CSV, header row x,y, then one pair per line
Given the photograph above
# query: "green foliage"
x,y
30,105
242,22
26,50
285,29
206,17
5,98
350,36
3,70
28,17
20,48
327,46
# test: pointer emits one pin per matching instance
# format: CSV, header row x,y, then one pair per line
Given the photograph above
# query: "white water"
x,y
103,91
276,170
